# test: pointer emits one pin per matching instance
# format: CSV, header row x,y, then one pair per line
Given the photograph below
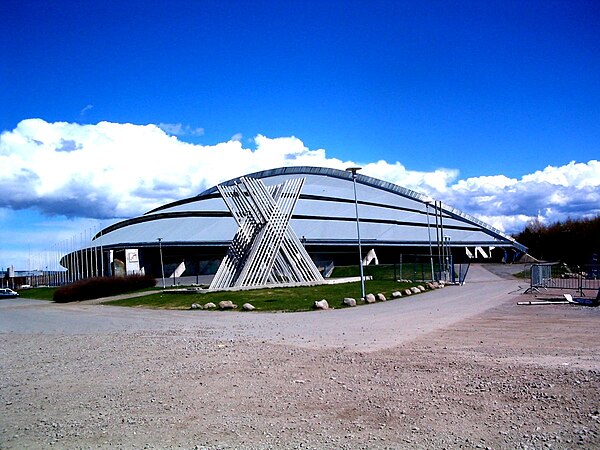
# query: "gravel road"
x,y
460,367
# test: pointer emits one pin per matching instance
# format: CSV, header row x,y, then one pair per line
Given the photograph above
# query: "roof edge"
x,y
346,175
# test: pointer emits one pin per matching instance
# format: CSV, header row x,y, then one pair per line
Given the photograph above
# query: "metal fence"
x,y
560,276
427,268
411,267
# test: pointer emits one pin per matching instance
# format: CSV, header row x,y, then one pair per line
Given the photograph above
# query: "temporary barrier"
x,y
561,276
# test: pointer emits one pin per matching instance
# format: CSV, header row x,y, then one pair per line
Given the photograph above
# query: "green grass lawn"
x,y
276,299
41,293
410,271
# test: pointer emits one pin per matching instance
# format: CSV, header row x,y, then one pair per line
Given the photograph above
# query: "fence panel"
x,y
410,267
560,276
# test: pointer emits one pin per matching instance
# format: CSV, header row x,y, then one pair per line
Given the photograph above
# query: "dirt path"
x,y
462,367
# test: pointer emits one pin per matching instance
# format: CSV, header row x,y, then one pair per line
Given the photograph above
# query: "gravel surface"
x,y
461,367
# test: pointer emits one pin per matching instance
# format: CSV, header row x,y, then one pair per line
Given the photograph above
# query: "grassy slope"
x,y
278,299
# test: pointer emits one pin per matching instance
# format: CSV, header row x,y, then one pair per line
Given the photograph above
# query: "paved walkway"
x,y
368,327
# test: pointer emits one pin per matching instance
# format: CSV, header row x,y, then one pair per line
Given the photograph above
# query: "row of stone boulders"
x,y
429,285
372,298
223,305
323,304
435,284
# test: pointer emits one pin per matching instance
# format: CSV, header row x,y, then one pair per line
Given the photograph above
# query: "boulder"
x,y
380,297
415,290
396,294
349,301
227,304
210,305
421,288
407,292
248,307
196,306
321,304
431,285
370,298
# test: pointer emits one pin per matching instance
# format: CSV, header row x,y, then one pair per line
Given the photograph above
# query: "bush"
x,y
102,287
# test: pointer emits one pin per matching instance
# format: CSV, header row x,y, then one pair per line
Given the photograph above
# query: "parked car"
x,y
8,293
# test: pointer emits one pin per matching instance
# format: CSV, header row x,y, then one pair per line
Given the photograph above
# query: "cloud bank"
x,y
114,170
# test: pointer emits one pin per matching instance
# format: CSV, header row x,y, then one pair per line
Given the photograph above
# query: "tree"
x,y
573,241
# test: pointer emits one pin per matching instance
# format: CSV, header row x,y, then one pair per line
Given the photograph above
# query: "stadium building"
x,y
190,237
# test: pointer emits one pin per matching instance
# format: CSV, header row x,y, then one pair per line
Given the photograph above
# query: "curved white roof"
x,y
390,215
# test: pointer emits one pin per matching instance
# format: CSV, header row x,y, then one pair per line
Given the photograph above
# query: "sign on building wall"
x,y
132,261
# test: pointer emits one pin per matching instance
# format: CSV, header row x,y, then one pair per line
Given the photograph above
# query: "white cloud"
x,y
424,182
574,174
178,129
552,194
112,170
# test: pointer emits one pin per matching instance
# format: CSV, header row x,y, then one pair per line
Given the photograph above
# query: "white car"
x,y
8,293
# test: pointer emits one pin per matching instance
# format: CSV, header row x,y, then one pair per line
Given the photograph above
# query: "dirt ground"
x,y
459,371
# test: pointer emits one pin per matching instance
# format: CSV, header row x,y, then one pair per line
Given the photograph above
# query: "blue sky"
x,y
452,98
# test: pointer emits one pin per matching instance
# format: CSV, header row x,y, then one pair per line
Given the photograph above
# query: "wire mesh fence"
x,y
410,267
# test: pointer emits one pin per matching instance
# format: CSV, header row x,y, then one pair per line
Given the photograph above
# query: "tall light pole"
x,y
427,203
162,267
353,170
439,231
101,255
447,253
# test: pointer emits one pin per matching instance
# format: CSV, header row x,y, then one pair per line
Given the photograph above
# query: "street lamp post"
x,y
162,267
447,255
427,203
353,170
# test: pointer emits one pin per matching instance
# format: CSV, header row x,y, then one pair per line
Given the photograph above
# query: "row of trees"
x,y
572,241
